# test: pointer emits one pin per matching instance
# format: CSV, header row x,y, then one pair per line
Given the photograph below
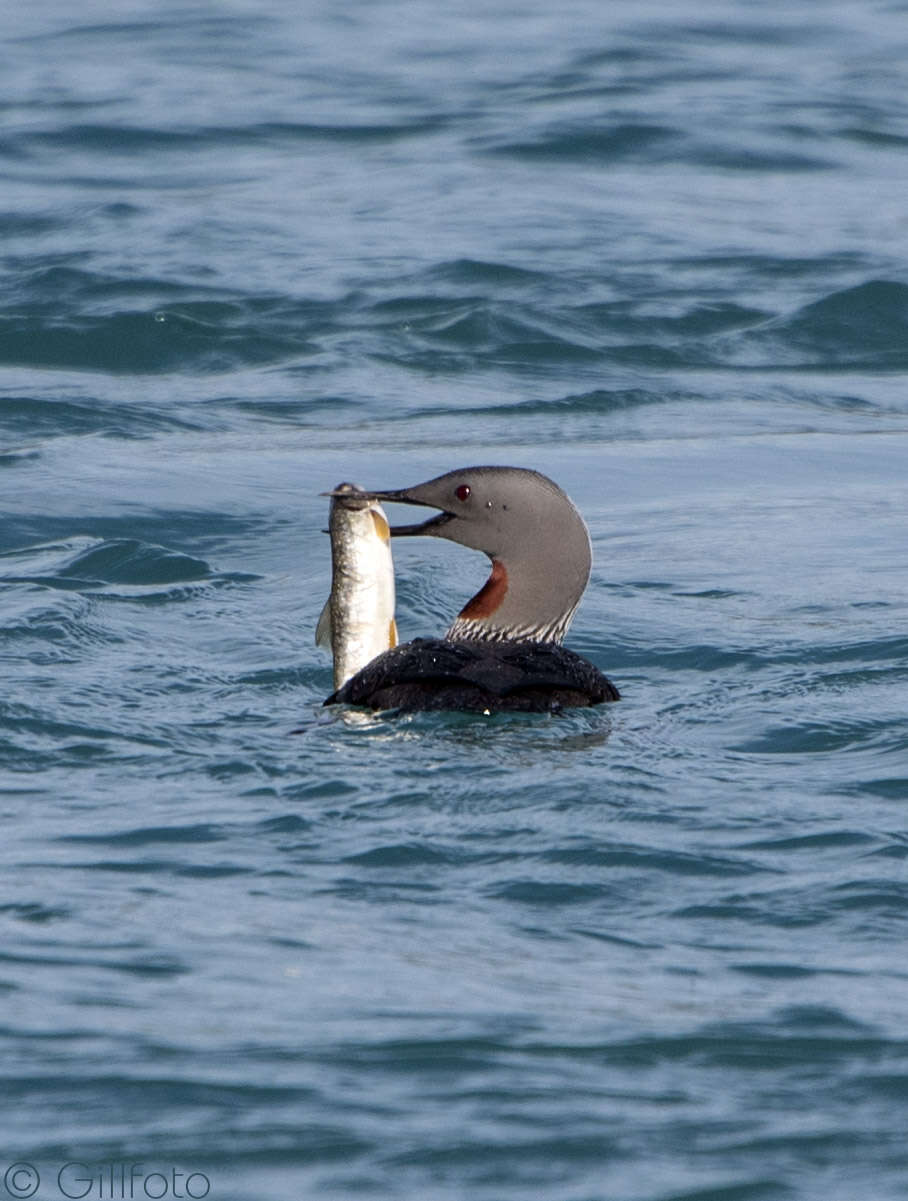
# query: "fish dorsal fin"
x,y
323,629
392,634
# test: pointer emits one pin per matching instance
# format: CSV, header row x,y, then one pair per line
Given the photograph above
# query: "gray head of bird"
x,y
530,529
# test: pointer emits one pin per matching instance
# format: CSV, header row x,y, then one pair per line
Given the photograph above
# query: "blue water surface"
x,y
657,251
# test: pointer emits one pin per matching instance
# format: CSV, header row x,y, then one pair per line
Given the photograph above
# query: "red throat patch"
x,y
490,595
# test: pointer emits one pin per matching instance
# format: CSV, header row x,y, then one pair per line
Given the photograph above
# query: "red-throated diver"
x,y
503,650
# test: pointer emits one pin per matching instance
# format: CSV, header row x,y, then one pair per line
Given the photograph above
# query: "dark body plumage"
x,y
477,676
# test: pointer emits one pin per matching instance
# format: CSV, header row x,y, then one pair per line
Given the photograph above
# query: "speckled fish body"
x,y
357,622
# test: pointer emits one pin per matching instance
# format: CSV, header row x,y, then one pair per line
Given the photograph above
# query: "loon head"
x,y
538,543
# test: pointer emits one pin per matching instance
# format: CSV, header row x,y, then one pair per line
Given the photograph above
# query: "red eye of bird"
x,y
462,491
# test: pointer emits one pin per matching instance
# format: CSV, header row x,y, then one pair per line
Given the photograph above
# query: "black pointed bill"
x,y
403,497
422,527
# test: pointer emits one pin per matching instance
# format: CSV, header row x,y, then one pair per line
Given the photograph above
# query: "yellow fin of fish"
x,y
323,629
381,526
392,634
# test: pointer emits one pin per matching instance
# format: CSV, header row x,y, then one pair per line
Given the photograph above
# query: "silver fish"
x,y
357,622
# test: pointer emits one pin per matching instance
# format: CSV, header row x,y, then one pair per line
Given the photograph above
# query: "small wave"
x,y
40,417
133,562
882,138
19,457
65,316
93,563
870,317
599,401
699,320
144,342
34,912
14,225
471,329
625,140
139,140
864,327
754,158
142,836
648,858
470,272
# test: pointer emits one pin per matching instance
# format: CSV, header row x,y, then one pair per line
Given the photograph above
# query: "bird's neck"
x,y
499,613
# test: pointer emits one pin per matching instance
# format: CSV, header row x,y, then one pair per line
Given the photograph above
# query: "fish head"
x,y
353,499
351,496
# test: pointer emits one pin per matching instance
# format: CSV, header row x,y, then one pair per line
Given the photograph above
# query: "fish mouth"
x,y
403,497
